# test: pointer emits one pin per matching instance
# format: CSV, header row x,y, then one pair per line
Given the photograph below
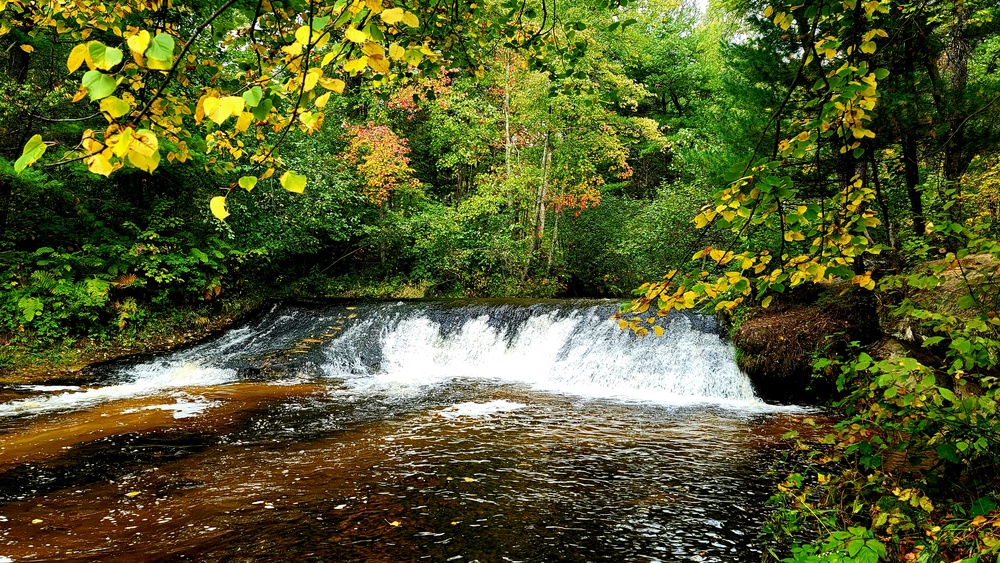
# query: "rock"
x,y
776,347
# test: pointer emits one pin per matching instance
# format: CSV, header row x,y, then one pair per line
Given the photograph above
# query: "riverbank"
x,y
66,362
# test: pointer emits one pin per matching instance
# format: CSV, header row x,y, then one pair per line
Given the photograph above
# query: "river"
x,y
400,431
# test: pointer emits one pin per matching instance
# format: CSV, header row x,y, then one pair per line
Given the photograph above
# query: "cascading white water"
x,y
578,351
564,347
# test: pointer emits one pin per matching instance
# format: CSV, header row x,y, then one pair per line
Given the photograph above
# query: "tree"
x,y
232,78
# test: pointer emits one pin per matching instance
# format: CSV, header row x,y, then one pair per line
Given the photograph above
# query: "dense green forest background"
x,y
686,156
506,182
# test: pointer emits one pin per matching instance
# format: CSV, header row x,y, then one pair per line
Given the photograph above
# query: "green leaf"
x,y
864,360
160,52
261,110
98,85
103,57
253,96
248,182
854,547
30,307
947,394
293,182
982,507
33,150
932,340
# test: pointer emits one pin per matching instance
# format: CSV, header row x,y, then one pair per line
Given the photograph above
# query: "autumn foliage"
x,y
381,159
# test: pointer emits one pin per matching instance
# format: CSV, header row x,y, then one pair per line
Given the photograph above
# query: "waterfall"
x,y
568,347
571,348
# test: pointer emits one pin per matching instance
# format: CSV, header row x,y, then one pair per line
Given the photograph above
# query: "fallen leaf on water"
x,y
36,521
395,523
469,479
132,494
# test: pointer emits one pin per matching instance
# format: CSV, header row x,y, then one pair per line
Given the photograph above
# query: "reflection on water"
x,y
468,472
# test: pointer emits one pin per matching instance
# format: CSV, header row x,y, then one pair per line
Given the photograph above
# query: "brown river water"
x,y
421,431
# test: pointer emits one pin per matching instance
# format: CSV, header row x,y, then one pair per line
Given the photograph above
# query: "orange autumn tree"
x,y
381,158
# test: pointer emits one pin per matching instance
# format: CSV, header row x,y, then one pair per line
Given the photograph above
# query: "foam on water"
x,y
149,379
474,409
183,407
400,348
580,352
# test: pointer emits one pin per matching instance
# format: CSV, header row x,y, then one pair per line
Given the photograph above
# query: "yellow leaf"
x,y
144,151
119,143
469,480
622,324
303,34
864,280
99,164
144,162
208,105
132,494
868,47
355,35
115,106
410,19
356,65
244,121
76,57
221,109
27,48
295,49
373,50
768,11
322,100
658,330
293,182
396,52
766,302
926,504
334,84
392,16
395,523
312,78
138,42
379,64
218,207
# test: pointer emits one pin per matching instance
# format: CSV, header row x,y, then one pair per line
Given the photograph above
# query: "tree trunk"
x,y
538,231
883,206
911,168
555,241
958,63
911,173
506,117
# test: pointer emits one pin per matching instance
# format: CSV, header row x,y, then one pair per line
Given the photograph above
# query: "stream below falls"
x,y
399,431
